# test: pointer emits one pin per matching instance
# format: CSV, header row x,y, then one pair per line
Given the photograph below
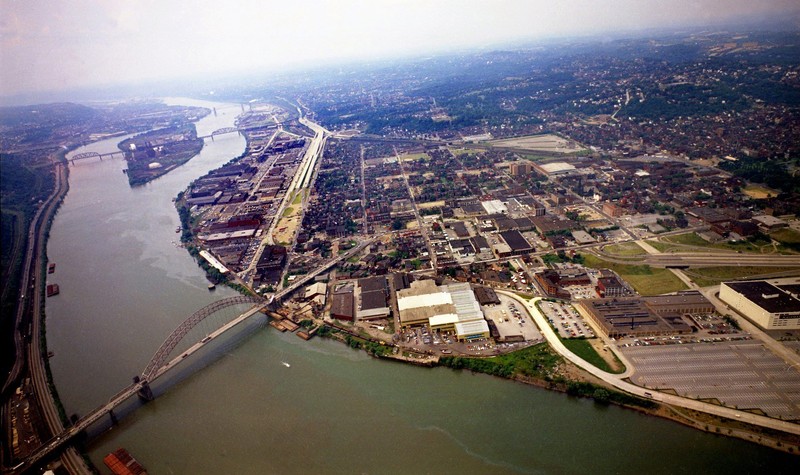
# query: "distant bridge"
x,y
230,130
85,155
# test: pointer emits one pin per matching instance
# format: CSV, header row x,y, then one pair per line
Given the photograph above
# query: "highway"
x,y
31,304
617,382
705,259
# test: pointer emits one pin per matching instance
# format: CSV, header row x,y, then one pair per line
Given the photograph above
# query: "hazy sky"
x,y
50,45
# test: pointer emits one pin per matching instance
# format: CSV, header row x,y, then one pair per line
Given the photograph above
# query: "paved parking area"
x,y
741,374
566,320
512,320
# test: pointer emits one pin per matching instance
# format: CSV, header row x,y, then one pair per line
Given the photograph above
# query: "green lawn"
x,y
288,212
586,352
692,239
707,276
645,279
628,249
663,247
408,157
788,237
688,239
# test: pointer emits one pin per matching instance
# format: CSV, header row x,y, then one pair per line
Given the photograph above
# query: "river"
x,y
125,285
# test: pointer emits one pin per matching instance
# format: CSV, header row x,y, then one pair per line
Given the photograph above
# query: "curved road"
x,y
617,382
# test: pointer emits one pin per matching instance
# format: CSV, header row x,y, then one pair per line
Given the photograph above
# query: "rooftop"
x,y
557,167
516,241
767,296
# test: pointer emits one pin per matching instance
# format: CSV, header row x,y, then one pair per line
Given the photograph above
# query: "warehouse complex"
x,y
449,308
772,305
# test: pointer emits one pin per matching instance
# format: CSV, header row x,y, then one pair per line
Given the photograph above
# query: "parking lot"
x,y
566,320
741,374
423,340
512,321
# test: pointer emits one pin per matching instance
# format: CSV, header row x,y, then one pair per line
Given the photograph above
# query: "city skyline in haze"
x,y
60,46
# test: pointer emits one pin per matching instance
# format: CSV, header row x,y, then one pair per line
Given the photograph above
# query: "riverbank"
x,y
540,366
310,415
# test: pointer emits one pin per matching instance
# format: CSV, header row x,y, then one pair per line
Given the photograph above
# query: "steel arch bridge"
x,y
162,354
225,130
83,155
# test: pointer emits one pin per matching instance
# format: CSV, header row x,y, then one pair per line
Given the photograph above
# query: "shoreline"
x,y
716,425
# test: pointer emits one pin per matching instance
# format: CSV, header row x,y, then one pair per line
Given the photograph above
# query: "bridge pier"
x,y
114,420
145,393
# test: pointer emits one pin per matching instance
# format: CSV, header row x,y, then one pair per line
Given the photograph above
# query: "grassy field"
x,y
431,204
759,192
298,198
627,249
288,212
708,276
788,237
537,361
410,157
663,247
644,279
583,348
692,239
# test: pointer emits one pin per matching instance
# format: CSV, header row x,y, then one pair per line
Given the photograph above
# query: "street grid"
x,y
739,374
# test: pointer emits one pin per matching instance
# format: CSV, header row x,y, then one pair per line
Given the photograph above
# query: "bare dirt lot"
x,y
542,143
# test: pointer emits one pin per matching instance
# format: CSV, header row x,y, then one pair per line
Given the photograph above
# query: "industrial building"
x,y
554,168
448,308
772,305
343,304
373,293
619,318
517,244
688,301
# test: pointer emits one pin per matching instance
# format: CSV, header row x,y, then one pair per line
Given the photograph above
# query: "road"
x,y
423,231
617,382
31,302
721,259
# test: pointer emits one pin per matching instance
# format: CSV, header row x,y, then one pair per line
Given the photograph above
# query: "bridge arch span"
x,y
224,130
80,156
162,354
